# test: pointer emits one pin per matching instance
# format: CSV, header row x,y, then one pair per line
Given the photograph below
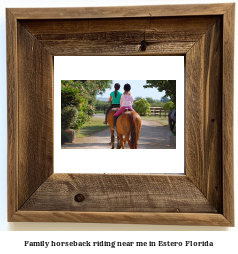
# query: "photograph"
x,y
126,114
120,114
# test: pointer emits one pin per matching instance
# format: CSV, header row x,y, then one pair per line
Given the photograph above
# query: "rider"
x,y
114,98
126,102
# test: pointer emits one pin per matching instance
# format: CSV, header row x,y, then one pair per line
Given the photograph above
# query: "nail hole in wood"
x,y
213,120
143,45
79,198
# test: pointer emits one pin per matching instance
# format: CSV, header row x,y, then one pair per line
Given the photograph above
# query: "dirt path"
x,y
153,135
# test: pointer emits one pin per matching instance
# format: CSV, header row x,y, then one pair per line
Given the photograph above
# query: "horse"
x,y
129,123
110,122
172,119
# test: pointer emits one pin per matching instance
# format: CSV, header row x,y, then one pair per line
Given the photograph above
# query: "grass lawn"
x,y
90,128
162,120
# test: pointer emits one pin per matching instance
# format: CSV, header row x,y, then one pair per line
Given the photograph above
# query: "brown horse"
x,y
110,122
129,123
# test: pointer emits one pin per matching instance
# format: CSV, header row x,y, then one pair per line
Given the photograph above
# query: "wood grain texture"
x,y
35,100
227,113
204,114
114,193
121,11
12,114
108,49
189,26
174,36
191,219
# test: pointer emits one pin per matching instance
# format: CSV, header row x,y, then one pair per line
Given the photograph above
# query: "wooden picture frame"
x,y
204,34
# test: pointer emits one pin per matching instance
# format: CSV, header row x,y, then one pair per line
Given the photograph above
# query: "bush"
x,y
169,106
142,107
70,96
75,107
80,95
69,118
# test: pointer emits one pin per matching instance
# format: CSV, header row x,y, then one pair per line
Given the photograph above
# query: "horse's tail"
x,y
134,131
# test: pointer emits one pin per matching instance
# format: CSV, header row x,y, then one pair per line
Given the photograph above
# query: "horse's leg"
x,y
112,138
121,139
127,138
118,142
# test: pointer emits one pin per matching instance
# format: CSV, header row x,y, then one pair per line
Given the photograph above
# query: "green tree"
x,y
101,85
74,97
142,107
169,106
165,99
69,118
80,94
159,103
169,86
150,100
102,103
137,98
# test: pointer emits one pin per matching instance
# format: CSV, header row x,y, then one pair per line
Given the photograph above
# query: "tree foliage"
x,y
169,86
169,106
69,118
81,94
101,85
165,99
150,100
158,104
142,107
102,103
137,98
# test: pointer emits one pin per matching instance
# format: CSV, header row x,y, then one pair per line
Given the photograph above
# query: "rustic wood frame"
x,y
204,34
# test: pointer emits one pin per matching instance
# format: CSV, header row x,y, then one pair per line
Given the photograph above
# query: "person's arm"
x,y
121,101
110,98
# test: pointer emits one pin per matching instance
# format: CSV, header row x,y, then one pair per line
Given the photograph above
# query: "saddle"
x,y
126,110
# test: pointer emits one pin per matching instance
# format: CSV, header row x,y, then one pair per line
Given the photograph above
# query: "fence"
x,y
155,111
158,111
102,108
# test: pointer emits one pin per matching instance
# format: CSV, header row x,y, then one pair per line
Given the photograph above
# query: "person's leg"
x,y
116,115
114,122
105,122
131,108
112,106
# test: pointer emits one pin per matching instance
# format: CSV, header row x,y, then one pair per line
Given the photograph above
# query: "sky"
x,y
137,89
122,69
